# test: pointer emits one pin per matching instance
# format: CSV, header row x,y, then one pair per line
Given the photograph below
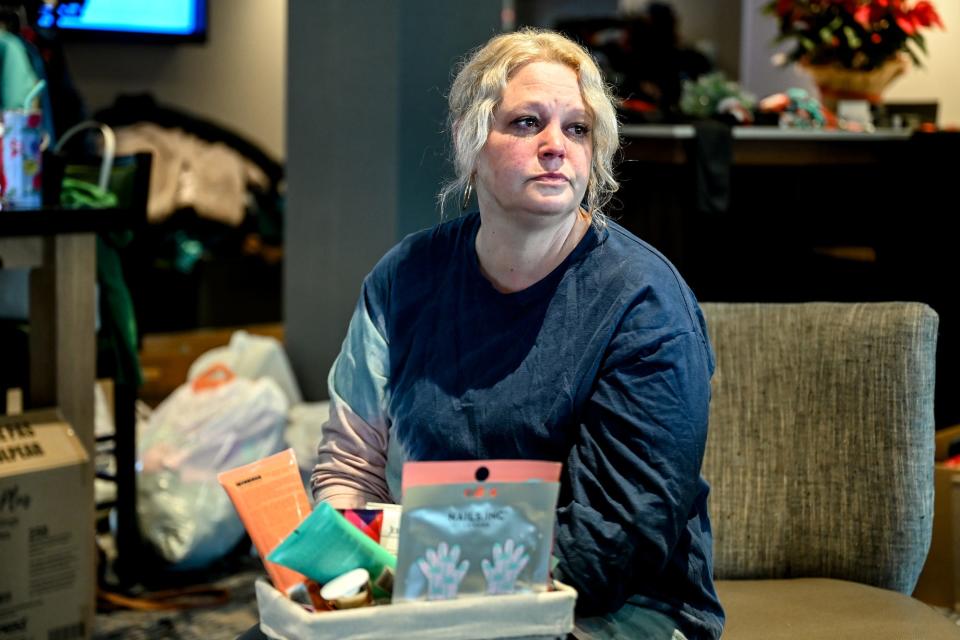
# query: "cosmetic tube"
x,y
270,498
325,546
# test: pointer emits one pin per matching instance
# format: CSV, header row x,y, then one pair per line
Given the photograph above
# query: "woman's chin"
x,y
547,205
553,209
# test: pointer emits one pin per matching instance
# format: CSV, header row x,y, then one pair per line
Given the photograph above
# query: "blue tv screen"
x,y
162,20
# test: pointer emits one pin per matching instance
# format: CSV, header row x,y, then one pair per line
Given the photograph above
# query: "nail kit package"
x,y
476,528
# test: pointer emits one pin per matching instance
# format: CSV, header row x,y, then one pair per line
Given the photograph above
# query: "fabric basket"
x,y
527,616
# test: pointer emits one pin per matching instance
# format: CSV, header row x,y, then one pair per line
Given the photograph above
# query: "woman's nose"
x,y
552,142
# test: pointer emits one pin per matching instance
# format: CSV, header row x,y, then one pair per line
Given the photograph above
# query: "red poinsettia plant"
x,y
854,34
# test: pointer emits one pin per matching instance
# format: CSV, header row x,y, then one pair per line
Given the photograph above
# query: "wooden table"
x,y
59,247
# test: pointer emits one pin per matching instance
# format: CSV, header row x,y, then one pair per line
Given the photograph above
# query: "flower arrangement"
x,y
853,34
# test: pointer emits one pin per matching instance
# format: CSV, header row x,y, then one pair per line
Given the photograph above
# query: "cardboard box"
x,y
47,577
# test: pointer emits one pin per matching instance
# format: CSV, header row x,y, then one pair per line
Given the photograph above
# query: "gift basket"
x,y
473,560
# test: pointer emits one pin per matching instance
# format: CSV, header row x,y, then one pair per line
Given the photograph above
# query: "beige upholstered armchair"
x,y
820,458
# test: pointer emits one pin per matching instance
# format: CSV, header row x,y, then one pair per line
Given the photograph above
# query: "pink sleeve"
x,y
352,454
352,460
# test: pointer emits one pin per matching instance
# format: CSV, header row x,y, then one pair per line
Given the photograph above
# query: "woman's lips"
x,y
550,177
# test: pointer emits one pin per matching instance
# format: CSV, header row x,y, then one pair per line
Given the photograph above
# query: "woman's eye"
x,y
526,122
579,130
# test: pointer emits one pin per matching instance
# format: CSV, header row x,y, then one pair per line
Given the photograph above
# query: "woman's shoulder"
x,y
637,262
650,283
424,254
634,254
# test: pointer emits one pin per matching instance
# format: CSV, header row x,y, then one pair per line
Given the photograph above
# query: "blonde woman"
x,y
535,328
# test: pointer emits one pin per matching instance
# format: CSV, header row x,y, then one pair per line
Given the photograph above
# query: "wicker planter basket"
x,y
838,83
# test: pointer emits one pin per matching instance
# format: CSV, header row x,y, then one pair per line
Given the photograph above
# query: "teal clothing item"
x,y
46,106
117,340
118,354
603,365
17,77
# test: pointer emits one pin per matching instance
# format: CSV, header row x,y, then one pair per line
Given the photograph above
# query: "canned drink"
x,y
22,153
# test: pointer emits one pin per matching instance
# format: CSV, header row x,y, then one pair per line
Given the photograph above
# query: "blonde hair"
x,y
478,89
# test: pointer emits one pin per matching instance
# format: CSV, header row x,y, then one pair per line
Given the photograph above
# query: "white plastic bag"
x,y
214,423
303,435
252,357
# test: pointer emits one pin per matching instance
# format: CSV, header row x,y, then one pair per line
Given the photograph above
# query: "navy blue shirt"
x,y
603,365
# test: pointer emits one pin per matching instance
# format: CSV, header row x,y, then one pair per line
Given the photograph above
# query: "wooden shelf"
x,y
58,244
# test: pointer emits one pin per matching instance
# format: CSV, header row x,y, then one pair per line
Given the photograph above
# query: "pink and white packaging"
x,y
21,179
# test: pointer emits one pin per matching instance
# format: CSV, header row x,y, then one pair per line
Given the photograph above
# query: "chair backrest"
x,y
821,440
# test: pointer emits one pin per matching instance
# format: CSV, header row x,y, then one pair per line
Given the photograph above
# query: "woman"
x,y
536,329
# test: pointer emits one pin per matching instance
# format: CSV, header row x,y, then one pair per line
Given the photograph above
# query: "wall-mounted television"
x,y
128,20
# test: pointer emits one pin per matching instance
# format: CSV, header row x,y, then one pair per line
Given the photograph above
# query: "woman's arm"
x,y
633,475
353,444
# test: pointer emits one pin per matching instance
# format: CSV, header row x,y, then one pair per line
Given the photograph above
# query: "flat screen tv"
x,y
128,20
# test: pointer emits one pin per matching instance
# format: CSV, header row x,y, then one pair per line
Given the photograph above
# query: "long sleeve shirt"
x,y
603,365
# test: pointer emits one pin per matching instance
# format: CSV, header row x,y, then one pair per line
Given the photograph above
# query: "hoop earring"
x,y
467,193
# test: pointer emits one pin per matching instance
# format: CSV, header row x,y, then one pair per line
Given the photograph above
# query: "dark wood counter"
x,y
805,216
763,146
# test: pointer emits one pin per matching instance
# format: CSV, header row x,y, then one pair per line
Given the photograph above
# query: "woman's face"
x,y
536,161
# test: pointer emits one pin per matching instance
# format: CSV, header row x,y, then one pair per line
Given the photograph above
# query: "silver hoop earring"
x,y
467,192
